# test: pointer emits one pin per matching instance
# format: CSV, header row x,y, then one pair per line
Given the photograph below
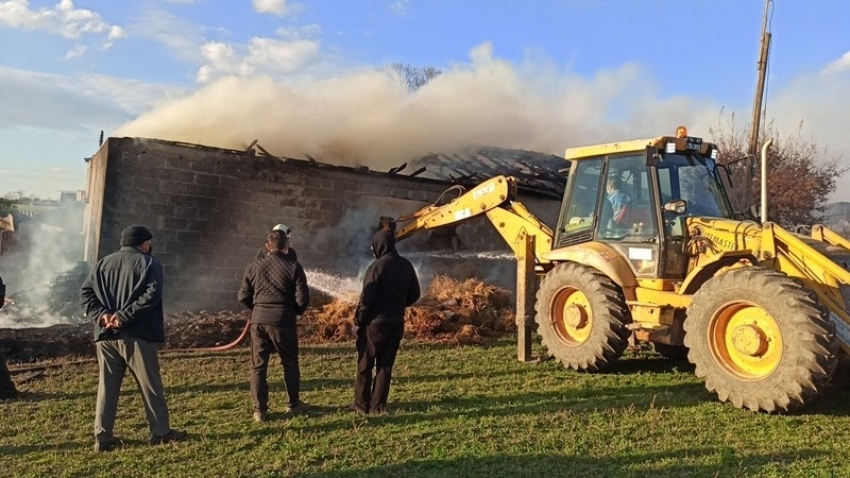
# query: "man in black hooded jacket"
x,y
389,287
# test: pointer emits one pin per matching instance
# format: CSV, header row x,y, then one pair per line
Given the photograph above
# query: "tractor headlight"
x,y
714,154
671,148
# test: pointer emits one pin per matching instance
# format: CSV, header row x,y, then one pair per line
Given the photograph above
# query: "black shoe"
x,y
300,408
355,409
173,436
108,445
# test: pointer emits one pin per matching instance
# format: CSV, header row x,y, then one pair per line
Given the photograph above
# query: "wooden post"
x,y
525,295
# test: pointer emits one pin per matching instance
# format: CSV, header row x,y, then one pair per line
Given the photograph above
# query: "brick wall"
x,y
210,210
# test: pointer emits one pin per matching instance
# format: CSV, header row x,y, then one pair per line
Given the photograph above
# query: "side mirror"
x,y
755,212
676,206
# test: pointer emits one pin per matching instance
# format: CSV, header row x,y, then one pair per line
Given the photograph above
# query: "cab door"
x,y
580,209
632,230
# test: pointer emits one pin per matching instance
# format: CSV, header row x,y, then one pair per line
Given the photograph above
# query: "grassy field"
x,y
456,412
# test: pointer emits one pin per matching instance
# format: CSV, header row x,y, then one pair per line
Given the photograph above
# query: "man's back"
x,y
389,284
129,283
275,287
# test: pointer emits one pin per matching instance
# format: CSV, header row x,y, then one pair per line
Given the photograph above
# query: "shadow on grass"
x,y
65,447
531,403
312,384
9,450
728,463
347,348
652,365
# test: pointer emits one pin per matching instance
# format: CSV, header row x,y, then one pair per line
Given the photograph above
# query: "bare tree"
x,y
415,76
800,178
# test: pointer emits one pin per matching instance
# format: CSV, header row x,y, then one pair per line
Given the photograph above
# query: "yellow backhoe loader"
x,y
647,246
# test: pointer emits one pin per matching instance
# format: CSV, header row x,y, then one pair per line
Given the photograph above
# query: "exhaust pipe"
x,y
764,149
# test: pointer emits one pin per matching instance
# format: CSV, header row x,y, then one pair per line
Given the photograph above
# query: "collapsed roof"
x,y
535,172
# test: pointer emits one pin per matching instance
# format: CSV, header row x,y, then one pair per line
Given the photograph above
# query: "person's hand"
x,y
109,320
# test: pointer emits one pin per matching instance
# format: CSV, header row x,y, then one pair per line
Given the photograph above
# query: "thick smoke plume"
x,y
371,118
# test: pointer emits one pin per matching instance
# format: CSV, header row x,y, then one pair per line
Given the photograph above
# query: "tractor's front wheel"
x,y
581,317
760,340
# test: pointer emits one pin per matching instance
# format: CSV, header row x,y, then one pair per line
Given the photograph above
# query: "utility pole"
x,y
762,69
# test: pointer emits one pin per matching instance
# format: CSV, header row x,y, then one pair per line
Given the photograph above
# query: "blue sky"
x,y
310,77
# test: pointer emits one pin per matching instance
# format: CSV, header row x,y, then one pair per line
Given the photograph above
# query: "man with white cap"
x,y
263,251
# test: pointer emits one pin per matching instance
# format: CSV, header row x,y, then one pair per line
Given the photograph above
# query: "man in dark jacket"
x,y
275,289
123,297
389,287
7,386
264,251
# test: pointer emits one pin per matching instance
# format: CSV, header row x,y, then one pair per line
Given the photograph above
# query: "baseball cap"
x,y
283,228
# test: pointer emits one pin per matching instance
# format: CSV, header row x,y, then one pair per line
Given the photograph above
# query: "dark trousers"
x,y
7,386
377,346
266,339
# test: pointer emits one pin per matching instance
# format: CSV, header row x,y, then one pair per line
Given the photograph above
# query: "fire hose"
x,y
219,348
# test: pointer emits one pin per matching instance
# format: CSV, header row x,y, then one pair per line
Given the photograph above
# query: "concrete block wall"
x,y
210,210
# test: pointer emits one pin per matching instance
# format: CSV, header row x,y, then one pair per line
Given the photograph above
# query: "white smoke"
x,y
36,269
371,118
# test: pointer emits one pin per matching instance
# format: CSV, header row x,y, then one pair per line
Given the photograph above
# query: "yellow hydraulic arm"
x,y
496,198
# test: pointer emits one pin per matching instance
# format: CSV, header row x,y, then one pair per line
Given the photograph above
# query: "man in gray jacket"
x,y
123,297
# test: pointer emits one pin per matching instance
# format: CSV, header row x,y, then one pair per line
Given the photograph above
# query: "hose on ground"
x,y
219,348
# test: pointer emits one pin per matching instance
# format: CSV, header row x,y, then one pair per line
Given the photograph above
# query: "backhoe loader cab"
x,y
636,196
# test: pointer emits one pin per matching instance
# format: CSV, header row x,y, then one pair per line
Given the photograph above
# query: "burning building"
x,y
210,209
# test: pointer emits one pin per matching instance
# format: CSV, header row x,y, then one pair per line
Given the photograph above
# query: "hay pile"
x,y
450,311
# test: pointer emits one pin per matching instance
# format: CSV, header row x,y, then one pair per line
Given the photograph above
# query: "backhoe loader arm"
x,y
496,198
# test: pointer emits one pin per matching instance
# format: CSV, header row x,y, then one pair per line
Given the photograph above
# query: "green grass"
x,y
456,411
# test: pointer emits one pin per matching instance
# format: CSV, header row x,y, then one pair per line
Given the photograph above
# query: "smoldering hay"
x,y
370,117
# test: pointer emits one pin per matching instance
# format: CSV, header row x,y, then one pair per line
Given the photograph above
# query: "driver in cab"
x,y
618,200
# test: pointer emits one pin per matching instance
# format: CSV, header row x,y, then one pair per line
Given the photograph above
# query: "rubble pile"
x,y
58,301
450,311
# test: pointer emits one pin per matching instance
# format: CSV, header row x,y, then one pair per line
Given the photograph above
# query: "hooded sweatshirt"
x,y
389,286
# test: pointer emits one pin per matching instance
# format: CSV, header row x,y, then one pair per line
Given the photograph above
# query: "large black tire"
x,y
581,317
760,340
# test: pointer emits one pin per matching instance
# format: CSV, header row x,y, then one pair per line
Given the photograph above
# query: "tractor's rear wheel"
x,y
581,317
760,340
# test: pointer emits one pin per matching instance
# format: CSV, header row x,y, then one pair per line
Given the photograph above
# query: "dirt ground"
x,y
450,311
